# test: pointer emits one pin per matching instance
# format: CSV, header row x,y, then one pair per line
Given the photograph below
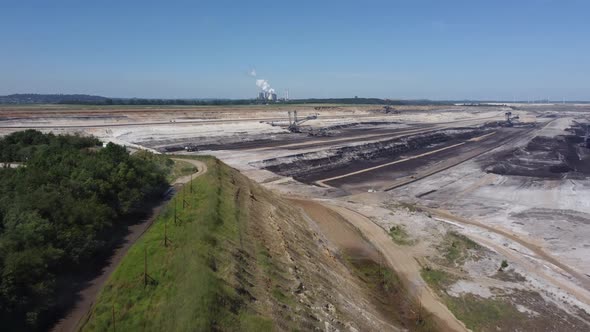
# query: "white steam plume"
x,y
265,86
261,83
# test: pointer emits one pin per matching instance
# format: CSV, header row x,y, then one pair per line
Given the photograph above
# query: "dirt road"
x,y
583,279
87,296
398,258
201,169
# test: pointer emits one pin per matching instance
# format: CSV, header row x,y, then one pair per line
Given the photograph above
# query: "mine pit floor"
x,y
410,167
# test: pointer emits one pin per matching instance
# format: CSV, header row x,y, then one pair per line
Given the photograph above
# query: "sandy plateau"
x,y
478,215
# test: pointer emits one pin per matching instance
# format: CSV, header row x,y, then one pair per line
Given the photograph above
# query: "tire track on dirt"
x,y
398,258
537,249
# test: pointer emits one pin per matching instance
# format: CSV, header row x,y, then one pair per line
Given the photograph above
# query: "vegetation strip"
x,y
188,257
60,215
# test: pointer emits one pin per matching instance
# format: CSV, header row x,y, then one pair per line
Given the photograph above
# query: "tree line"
x,y
58,212
219,102
81,99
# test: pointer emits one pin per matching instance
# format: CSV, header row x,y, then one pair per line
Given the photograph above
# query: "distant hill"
x,y
33,98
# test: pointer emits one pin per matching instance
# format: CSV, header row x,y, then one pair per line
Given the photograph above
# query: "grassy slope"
x,y
194,284
244,260
478,314
180,168
400,236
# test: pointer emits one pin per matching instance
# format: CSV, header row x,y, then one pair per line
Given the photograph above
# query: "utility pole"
x,y
114,324
184,201
166,234
175,213
145,275
381,272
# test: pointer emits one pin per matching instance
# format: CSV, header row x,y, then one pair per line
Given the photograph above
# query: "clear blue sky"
x,y
390,49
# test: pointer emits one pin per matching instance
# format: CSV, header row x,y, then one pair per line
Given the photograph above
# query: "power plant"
x,y
267,95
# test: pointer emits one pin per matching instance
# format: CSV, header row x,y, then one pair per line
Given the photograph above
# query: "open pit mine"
x,y
481,210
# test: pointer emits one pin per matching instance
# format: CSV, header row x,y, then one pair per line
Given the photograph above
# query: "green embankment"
x,y
190,280
180,168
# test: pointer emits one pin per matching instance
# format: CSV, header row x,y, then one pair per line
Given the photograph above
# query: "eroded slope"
x,y
234,256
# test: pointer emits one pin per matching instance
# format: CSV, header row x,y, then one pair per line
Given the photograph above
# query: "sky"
x,y
443,50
